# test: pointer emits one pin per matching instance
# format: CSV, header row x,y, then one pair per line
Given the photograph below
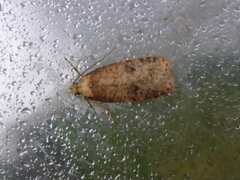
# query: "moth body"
x,y
128,81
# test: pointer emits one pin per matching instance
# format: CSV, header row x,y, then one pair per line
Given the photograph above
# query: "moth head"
x,y
74,89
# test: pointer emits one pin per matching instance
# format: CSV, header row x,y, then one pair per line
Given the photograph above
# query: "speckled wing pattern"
x,y
131,80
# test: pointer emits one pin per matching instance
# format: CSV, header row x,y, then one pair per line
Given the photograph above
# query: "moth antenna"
x,y
99,105
98,61
79,74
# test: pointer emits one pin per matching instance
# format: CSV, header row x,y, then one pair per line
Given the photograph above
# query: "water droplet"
x,y
23,4
33,106
22,154
2,125
77,36
136,4
48,99
42,38
27,44
90,7
1,7
14,83
98,18
26,110
24,74
11,58
4,71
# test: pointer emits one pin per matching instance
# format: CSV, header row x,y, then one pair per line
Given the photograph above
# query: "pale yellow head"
x,y
83,87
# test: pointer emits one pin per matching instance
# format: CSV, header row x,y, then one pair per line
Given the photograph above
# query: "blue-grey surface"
x,y
47,133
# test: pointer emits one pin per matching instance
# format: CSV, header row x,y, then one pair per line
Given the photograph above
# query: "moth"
x,y
125,81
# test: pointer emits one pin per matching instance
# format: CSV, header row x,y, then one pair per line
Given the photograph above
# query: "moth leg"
x,y
90,104
101,106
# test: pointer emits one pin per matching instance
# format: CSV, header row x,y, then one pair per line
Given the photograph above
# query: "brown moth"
x,y
126,81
